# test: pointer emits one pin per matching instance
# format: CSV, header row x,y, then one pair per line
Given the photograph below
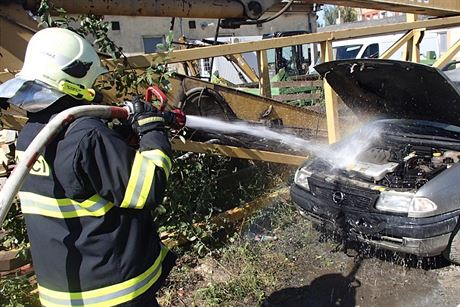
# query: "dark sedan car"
x,y
395,183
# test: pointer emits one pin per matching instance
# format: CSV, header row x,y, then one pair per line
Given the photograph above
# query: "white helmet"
x,y
53,55
56,54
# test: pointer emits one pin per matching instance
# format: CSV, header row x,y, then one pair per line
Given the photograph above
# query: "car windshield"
x,y
347,52
418,128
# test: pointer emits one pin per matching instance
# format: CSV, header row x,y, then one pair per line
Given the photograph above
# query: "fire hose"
x,y
44,137
61,120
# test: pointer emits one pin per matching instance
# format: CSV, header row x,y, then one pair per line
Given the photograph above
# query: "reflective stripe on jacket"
x,y
107,296
87,205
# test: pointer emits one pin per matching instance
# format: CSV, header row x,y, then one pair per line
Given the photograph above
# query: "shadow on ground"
x,y
326,290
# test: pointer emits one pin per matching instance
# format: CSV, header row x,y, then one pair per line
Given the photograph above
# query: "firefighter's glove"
x,y
146,118
174,119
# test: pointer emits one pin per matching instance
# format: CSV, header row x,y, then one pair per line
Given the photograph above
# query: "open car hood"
x,y
394,89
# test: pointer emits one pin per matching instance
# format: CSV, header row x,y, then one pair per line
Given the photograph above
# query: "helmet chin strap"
x,y
79,91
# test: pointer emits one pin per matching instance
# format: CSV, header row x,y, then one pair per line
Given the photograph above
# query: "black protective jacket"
x,y
87,205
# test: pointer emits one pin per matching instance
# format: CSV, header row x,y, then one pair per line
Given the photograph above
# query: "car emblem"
x,y
338,197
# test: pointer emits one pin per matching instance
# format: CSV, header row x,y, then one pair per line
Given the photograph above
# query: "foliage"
x,y
249,277
15,229
15,292
199,185
124,78
332,13
202,185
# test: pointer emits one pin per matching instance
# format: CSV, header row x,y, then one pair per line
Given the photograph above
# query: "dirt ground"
x,y
280,259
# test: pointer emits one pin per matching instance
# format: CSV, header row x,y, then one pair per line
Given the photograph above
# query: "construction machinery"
x,y
196,96
17,26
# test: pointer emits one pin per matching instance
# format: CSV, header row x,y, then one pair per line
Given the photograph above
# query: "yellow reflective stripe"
x,y
148,183
153,119
132,183
32,203
160,159
142,177
107,296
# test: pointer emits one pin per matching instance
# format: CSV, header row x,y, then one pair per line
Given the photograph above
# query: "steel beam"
x,y
161,8
397,45
447,57
242,64
423,7
238,152
416,41
143,61
249,107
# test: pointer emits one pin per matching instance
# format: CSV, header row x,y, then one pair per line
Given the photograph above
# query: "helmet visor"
x,y
30,95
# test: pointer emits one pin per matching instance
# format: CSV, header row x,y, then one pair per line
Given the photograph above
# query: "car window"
x,y
372,51
347,52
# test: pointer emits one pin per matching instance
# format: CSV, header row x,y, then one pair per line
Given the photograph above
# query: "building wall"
x,y
135,31
372,14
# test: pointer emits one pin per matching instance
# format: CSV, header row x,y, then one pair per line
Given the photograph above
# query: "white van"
x,y
373,47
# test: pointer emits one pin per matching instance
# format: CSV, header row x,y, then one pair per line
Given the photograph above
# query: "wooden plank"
x,y
238,152
9,260
305,83
292,83
297,96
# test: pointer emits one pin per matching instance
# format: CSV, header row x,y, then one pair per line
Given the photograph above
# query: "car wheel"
x,y
452,252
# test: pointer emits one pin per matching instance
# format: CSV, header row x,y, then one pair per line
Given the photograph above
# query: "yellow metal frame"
x,y
430,7
143,61
330,97
238,152
447,57
264,82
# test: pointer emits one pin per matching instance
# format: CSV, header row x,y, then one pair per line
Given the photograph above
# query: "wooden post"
x,y
264,77
330,97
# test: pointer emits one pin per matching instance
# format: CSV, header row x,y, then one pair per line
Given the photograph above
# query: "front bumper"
x,y
419,236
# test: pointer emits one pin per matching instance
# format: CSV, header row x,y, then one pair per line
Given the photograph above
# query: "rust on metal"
x,y
250,107
161,8
16,29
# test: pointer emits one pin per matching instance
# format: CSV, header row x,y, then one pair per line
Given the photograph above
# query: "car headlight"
x,y
301,178
421,206
394,202
405,202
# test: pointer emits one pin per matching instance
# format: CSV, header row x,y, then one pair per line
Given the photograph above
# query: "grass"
x,y
249,279
241,272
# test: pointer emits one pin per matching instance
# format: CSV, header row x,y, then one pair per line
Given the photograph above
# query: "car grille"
x,y
339,194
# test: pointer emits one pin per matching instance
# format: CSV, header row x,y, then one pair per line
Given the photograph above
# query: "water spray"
x,y
338,156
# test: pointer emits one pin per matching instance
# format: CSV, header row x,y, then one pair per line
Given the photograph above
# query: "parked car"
x,y
395,183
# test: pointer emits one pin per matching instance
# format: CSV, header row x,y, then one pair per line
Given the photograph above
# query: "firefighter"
x,y
88,198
